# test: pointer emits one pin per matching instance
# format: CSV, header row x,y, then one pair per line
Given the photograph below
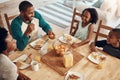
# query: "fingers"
x,y
29,29
51,35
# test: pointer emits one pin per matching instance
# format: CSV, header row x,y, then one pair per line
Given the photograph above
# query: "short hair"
x,y
3,35
93,13
24,5
116,32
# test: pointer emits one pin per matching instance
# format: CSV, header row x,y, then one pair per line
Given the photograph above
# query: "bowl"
x,y
60,48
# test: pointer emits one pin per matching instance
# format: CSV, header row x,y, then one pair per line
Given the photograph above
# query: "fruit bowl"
x,y
60,48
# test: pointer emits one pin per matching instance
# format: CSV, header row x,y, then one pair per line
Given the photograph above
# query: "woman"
x,y
8,70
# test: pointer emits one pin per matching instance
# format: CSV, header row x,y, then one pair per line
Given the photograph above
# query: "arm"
x,y
22,40
45,26
92,47
87,40
10,74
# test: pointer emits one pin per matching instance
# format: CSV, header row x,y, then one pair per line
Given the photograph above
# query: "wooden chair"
x,y
75,22
8,19
100,32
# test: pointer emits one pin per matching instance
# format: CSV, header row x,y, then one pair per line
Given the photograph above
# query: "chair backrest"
x,y
75,22
101,31
8,19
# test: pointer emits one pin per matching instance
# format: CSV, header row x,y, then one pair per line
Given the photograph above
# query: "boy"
x,y
111,45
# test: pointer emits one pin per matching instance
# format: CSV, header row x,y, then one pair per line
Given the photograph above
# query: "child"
x,y
111,45
86,26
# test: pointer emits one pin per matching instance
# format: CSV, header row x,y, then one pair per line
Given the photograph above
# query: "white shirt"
x,y
8,70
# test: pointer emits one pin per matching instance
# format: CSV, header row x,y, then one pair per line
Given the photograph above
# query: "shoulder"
x,y
6,63
91,26
37,14
16,21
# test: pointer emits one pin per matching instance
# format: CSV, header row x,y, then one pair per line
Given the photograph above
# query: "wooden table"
x,y
110,70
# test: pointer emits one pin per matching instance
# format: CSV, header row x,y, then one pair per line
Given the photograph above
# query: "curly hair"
x,y
24,5
93,13
3,35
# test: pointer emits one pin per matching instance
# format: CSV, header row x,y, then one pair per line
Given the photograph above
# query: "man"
x,y
24,27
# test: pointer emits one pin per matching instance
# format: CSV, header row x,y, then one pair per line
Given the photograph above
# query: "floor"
x,y
11,7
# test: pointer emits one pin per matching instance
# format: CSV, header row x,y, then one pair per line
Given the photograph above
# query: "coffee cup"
x,y
35,65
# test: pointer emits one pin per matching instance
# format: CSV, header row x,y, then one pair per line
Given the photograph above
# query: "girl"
x,y
86,26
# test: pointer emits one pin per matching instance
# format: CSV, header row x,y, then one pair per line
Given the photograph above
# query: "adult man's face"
x,y
28,14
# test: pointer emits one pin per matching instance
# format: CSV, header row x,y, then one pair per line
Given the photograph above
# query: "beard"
x,y
28,19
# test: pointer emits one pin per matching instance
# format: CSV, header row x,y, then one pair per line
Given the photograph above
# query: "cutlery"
x,y
27,57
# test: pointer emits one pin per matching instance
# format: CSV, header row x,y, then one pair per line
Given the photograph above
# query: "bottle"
x,y
68,59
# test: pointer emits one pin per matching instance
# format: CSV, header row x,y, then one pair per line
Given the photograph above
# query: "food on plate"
x,y
67,37
95,55
19,63
73,77
37,46
60,49
40,42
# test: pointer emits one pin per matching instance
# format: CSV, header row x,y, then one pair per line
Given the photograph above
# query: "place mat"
x,y
56,62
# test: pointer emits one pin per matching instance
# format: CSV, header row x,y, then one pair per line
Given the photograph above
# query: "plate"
x,y
39,42
63,39
95,57
75,73
22,58
24,65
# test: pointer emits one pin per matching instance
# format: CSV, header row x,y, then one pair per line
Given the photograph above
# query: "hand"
x,y
29,29
92,47
51,35
75,45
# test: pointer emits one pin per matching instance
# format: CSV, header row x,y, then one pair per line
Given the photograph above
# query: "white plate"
x,y
22,58
34,42
25,65
94,59
75,73
62,39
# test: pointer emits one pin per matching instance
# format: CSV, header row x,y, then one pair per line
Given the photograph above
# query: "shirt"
x,y
18,27
108,48
82,32
8,70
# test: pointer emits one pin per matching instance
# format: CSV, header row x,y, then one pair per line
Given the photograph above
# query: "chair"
x,y
102,27
8,19
75,22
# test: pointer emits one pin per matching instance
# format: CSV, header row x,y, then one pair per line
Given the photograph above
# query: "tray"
x,y
56,62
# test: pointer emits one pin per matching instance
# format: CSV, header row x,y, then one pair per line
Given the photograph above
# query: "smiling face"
x,y
28,14
11,43
86,17
112,39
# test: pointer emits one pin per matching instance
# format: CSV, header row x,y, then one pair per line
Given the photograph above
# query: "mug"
x,y
35,66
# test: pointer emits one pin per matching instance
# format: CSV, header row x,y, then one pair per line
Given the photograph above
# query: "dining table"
x,y
110,68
